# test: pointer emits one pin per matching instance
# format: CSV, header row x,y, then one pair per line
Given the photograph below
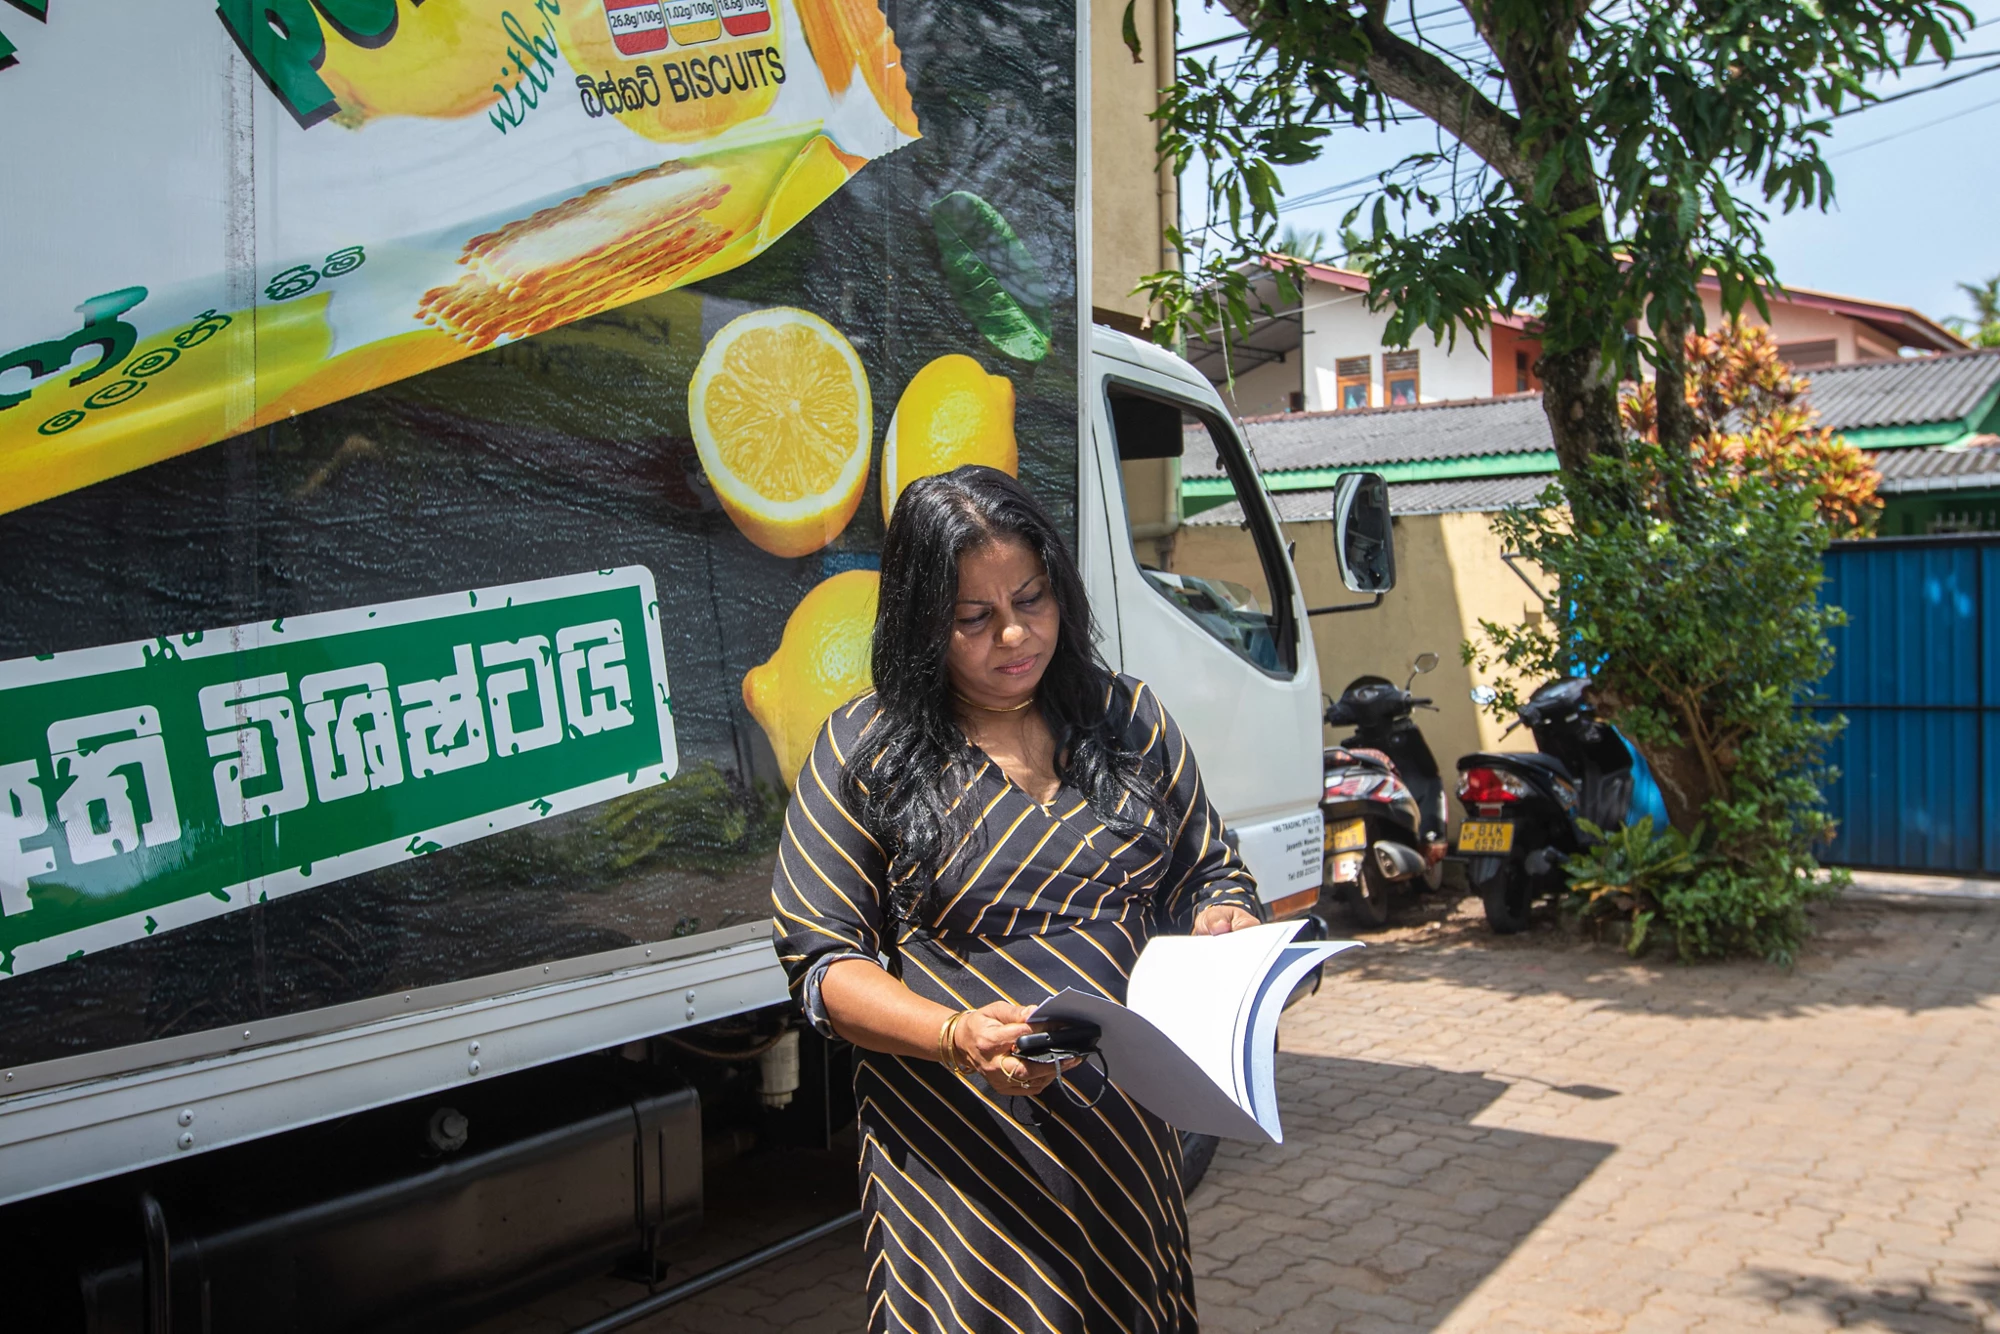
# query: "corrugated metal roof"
x,y
1467,428
1911,391
1954,468
1471,495
1973,466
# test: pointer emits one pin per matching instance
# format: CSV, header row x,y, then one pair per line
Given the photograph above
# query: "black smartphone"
x,y
1059,1042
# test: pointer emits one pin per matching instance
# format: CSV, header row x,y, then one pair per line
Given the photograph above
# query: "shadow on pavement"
x,y
1384,1207
1907,954
1904,1307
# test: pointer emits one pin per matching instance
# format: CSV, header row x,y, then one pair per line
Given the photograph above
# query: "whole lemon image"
x,y
821,663
442,62
951,413
780,415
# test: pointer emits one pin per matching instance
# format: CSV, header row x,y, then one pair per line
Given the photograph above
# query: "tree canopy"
x,y
1983,329
1596,159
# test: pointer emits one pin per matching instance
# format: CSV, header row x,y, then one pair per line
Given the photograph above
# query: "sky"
x,y
1917,182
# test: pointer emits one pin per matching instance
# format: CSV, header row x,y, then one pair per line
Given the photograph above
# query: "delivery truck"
x,y
444,451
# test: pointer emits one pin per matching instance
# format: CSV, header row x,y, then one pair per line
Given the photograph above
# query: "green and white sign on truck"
x,y
166,781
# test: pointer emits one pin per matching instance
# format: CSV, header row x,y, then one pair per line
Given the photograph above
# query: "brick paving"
x,y
1536,1134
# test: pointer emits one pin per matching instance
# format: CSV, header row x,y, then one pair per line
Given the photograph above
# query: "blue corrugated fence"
x,y
1915,672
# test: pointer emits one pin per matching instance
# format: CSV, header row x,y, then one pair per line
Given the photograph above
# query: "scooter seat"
x,y
1357,755
1517,759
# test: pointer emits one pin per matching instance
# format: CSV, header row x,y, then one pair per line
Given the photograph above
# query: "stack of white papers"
x,y
1195,1040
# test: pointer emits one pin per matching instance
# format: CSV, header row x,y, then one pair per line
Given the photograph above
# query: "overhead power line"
x,y
1929,124
1917,92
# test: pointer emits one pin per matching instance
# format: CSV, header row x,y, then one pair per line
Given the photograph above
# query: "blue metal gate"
x,y
1917,672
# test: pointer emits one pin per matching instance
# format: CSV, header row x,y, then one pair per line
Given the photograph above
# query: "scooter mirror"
x,y
1484,695
1426,662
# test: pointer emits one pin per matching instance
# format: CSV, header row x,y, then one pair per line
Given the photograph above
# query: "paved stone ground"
x,y
1538,1135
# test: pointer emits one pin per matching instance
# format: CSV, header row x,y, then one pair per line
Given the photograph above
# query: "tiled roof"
x,y
1466,428
1910,391
1470,495
1954,468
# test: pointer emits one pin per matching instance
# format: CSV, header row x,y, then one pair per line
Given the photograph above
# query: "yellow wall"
x,y
1449,575
1126,185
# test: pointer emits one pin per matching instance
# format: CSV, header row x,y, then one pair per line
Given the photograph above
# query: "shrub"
x,y
1688,589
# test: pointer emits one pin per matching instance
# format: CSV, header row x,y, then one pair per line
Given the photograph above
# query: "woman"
x,y
999,819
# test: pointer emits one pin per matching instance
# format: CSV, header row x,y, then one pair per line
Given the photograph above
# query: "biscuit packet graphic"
x,y
466,174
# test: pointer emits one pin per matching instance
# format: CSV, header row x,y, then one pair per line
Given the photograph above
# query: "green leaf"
x,y
1129,30
996,282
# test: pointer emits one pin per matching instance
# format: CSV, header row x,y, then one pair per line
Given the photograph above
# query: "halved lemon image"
x,y
821,663
781,420
951,413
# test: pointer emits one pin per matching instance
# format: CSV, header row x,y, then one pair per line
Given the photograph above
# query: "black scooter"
x,y
1384,801
1523,807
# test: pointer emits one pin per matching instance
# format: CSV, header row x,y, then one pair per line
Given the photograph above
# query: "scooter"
x,y
1384,801
1523,807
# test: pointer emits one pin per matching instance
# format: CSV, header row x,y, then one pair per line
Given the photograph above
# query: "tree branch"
x,y
1421,81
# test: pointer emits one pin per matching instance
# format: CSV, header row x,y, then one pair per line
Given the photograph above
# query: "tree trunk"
x,y
1581,403
1678,426
1683,782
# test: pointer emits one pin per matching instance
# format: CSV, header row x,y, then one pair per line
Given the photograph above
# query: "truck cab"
x,y
1219,634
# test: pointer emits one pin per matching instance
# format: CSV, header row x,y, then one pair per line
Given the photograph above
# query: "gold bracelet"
x,y
948,1055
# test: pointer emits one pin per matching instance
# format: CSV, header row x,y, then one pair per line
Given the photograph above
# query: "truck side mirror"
x,y
1363,547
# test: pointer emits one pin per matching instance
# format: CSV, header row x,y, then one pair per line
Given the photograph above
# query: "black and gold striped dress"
x,y
987,1212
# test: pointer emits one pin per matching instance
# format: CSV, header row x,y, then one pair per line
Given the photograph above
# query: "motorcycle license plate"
x,y
1486,836
1346,835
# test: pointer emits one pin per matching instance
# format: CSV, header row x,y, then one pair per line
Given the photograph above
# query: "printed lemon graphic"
x,y
443,62
780,415
821,663
951,413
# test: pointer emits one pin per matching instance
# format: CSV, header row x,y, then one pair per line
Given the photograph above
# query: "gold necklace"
x,y
987,708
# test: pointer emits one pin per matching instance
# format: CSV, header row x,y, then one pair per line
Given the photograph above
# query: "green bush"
x,y
1693,603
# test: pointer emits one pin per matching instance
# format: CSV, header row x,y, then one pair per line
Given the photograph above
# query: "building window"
x,y
1820,352
1296,401
1520,372
1351,375
1399,378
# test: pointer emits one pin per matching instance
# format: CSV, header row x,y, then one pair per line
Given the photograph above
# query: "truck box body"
x,y
372,663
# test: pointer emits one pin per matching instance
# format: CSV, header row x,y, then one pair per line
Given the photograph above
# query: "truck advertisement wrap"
x,y
534,425
328,195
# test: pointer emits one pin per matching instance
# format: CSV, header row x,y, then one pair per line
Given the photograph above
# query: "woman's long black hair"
x,y
910,793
